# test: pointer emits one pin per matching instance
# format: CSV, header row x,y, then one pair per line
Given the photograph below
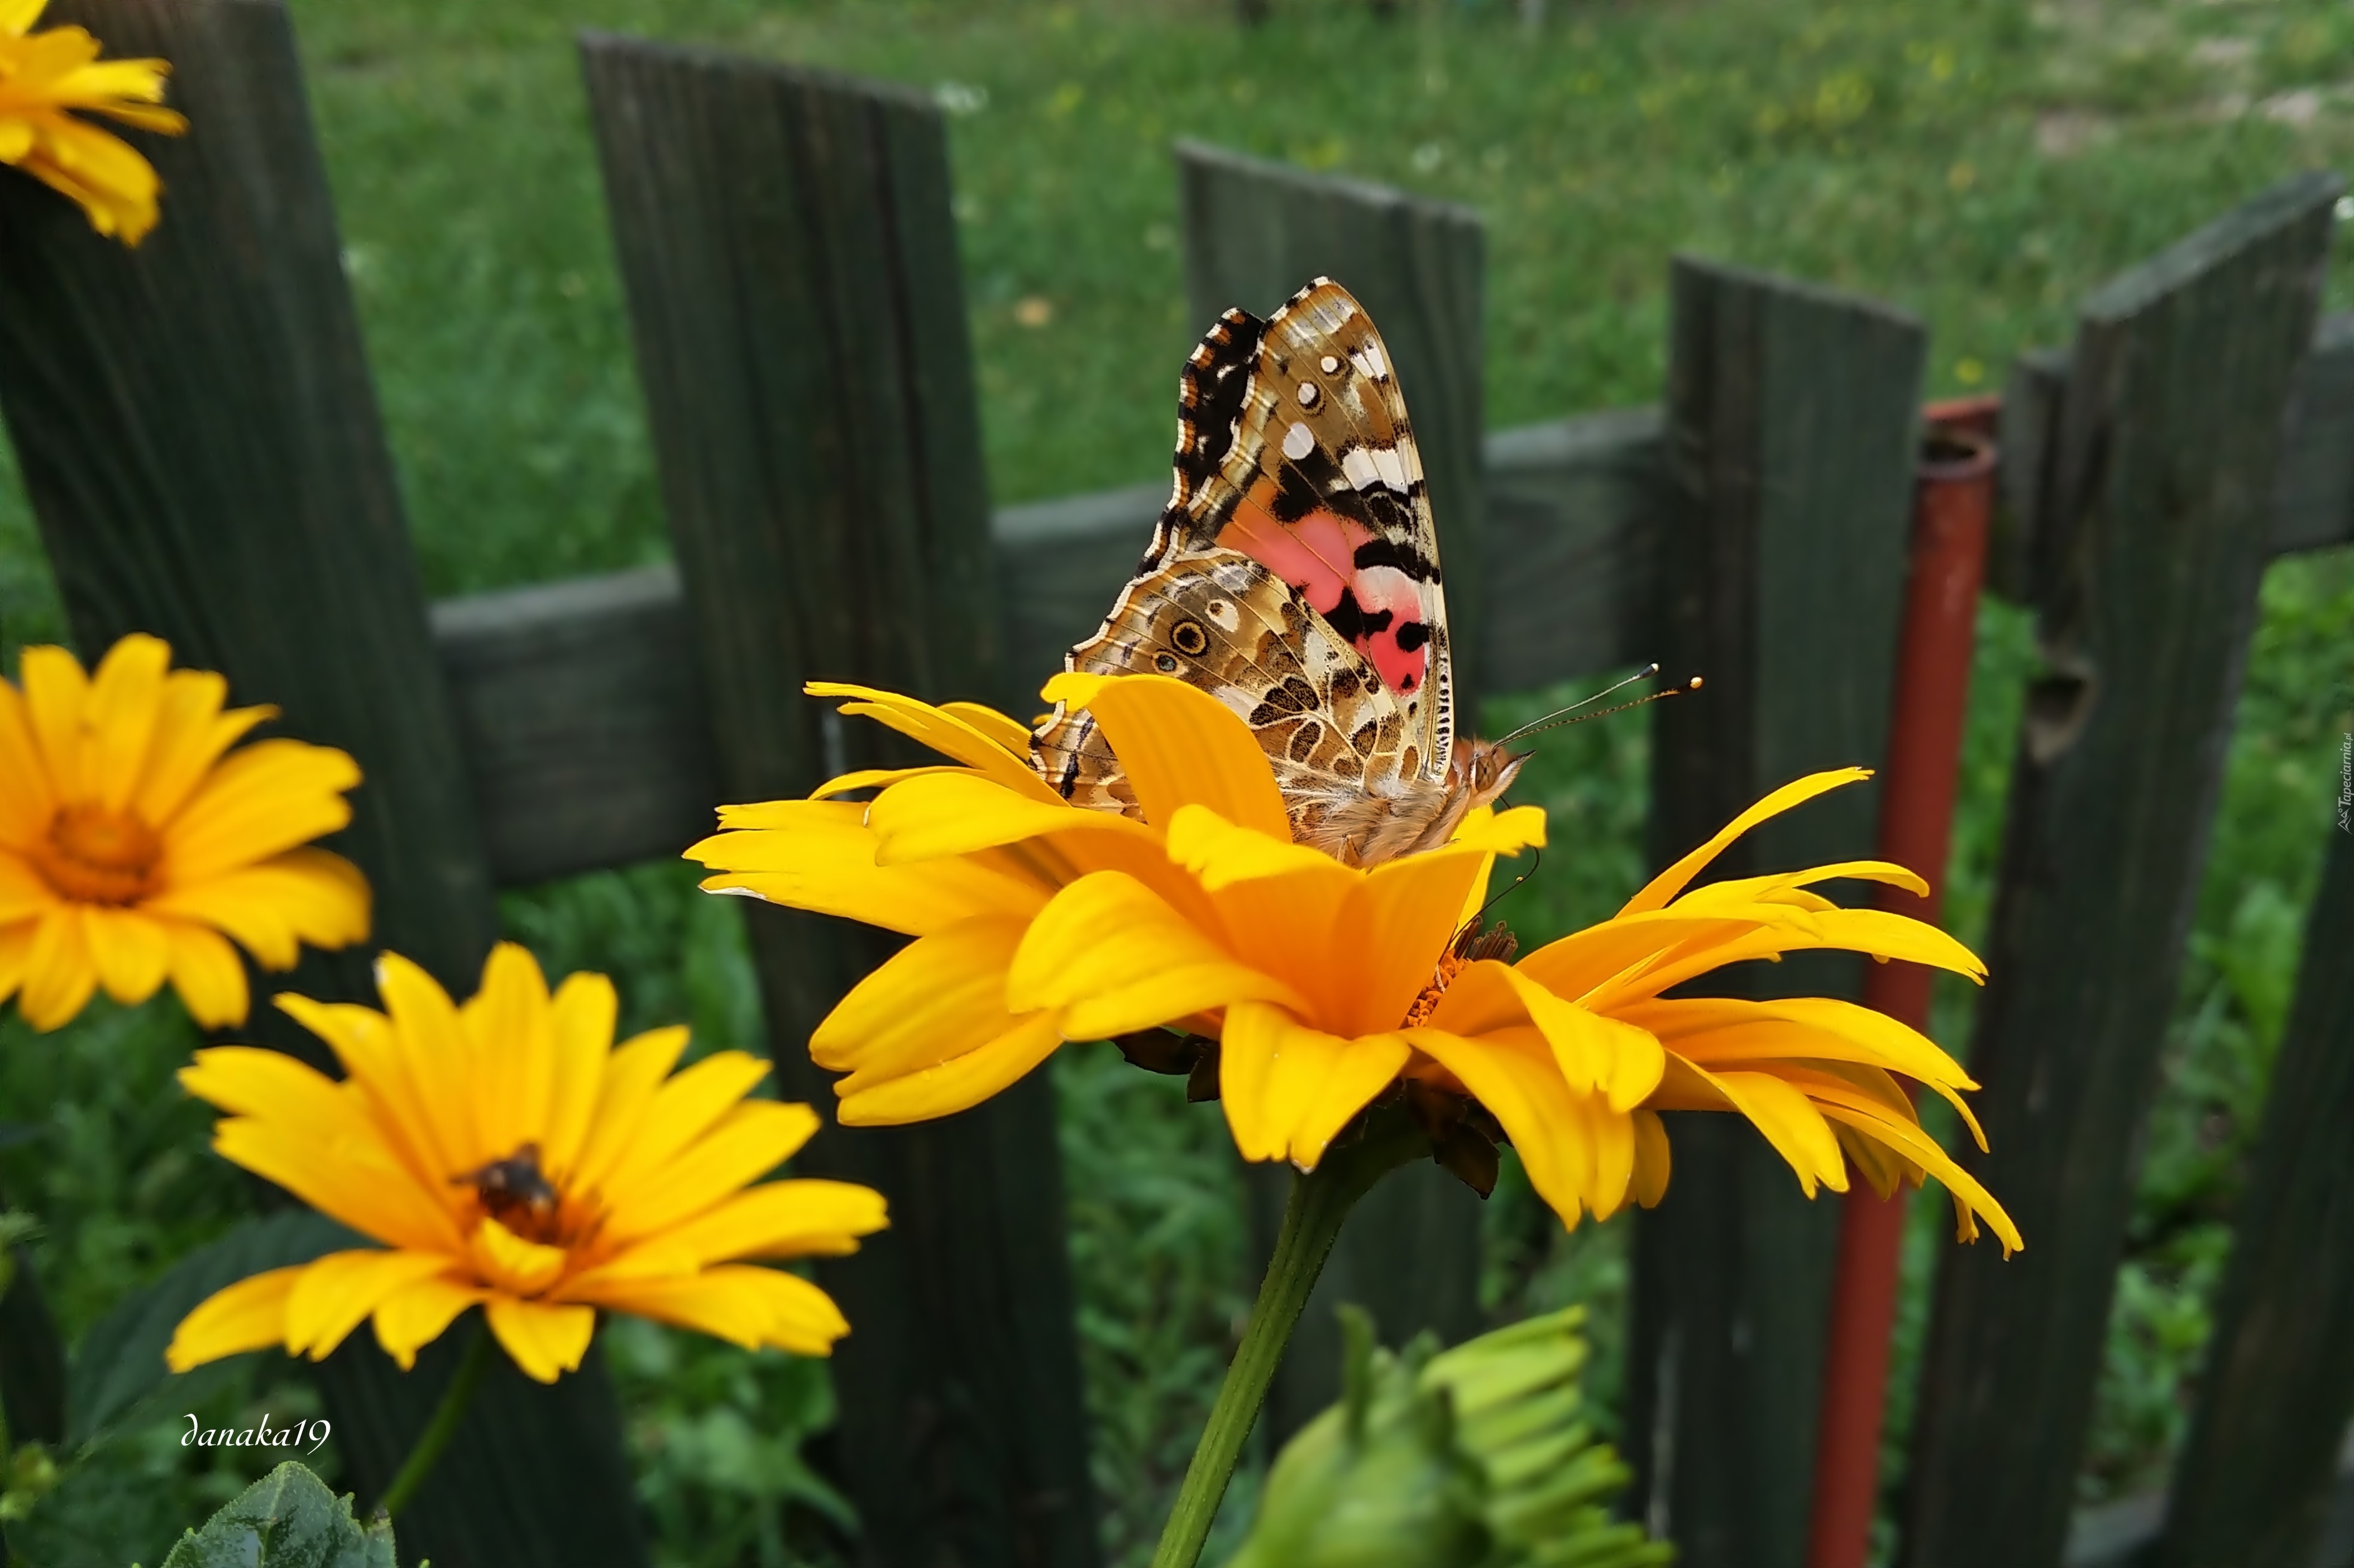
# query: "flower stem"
x,y
1320,1199
442,1428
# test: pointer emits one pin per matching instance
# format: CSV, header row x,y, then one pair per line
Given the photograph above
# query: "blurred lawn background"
x,y
1983,163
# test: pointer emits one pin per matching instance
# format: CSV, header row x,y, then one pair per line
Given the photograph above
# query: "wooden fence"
x,y
201,445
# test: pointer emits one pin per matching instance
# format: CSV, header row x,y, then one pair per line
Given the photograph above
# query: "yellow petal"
x,y
1221,853
1677,877
259,802
1006,731
1288,1089
207,975
1512,1073
305,894
1506,834
248,1316
580,1034
940,815
510,1025
633,1072
59,975
431,1034
1781,929
955,1084
942,730
784,1219
373,1056
414,1315
191,734
16,950
1597,1054
752,1140
1710,1029
245,1080
1651,1159
131,952
1908,1141
28,798
684,1109
56,693
546,1342
742,1303
24,896
820,855
357,1182
125,695
1396,924
510,1263
938,997
1789,1121
334,1293
1178,745
1117,957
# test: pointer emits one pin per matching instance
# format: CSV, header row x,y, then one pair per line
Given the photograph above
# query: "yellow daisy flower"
x,y
43,75
508,1155
1037,923
132,838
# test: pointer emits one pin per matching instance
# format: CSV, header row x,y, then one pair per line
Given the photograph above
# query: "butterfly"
x,y
1294,576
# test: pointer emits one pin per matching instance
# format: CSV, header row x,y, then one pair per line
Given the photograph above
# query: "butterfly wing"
x,y
1294,573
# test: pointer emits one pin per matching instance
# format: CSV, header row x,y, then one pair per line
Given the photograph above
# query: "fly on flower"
x,y
507,1154
134,842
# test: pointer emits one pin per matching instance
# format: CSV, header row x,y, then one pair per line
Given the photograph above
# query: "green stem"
x,y
442,1428
1320,1199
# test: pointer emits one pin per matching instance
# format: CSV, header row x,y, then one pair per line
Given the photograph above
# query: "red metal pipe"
x,y
1951,506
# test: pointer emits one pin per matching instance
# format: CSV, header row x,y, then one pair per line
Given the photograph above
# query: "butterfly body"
x,y
1294,576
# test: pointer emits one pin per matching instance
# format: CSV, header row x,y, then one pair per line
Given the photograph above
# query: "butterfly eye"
x,y
1188,637
1165,663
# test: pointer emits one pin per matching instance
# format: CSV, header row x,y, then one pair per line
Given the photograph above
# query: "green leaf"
x,y
286,1520
120,1363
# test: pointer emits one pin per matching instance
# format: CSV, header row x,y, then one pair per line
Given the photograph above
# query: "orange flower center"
x,y
517,1193
94,855
1471,945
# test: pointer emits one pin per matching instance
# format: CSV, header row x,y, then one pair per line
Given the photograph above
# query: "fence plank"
x,y
2149,544
1791,424
1253,232
793,277
582,719
200,443
2253,1487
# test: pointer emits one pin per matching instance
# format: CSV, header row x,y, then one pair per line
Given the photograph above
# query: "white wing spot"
x,y
1298,442
1365,467
1369,360
1390,467
1223,615
1308,394
1357,467
1331,364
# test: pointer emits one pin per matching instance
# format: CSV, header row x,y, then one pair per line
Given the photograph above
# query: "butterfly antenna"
x,y
1570,714
1472,925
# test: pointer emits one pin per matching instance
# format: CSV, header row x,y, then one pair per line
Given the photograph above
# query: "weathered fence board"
x,y
1253,233
2253,1486
799,320
2149,540
581,718
591,667
200,442
1789,471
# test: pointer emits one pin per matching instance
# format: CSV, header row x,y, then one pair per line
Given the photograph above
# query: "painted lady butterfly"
x,y
1294,576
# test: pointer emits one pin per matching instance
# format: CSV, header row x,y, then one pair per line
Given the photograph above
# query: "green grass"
x,y
1982,163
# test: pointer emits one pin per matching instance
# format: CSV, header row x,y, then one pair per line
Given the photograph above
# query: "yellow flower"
x,y
132,838
45,75
1038,923
507,1154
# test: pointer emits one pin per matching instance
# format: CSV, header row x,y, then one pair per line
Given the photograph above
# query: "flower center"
x,y
517,1193
94,855
1471,944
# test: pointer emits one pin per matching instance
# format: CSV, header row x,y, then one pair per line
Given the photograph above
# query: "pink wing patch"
x,y
1378,609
